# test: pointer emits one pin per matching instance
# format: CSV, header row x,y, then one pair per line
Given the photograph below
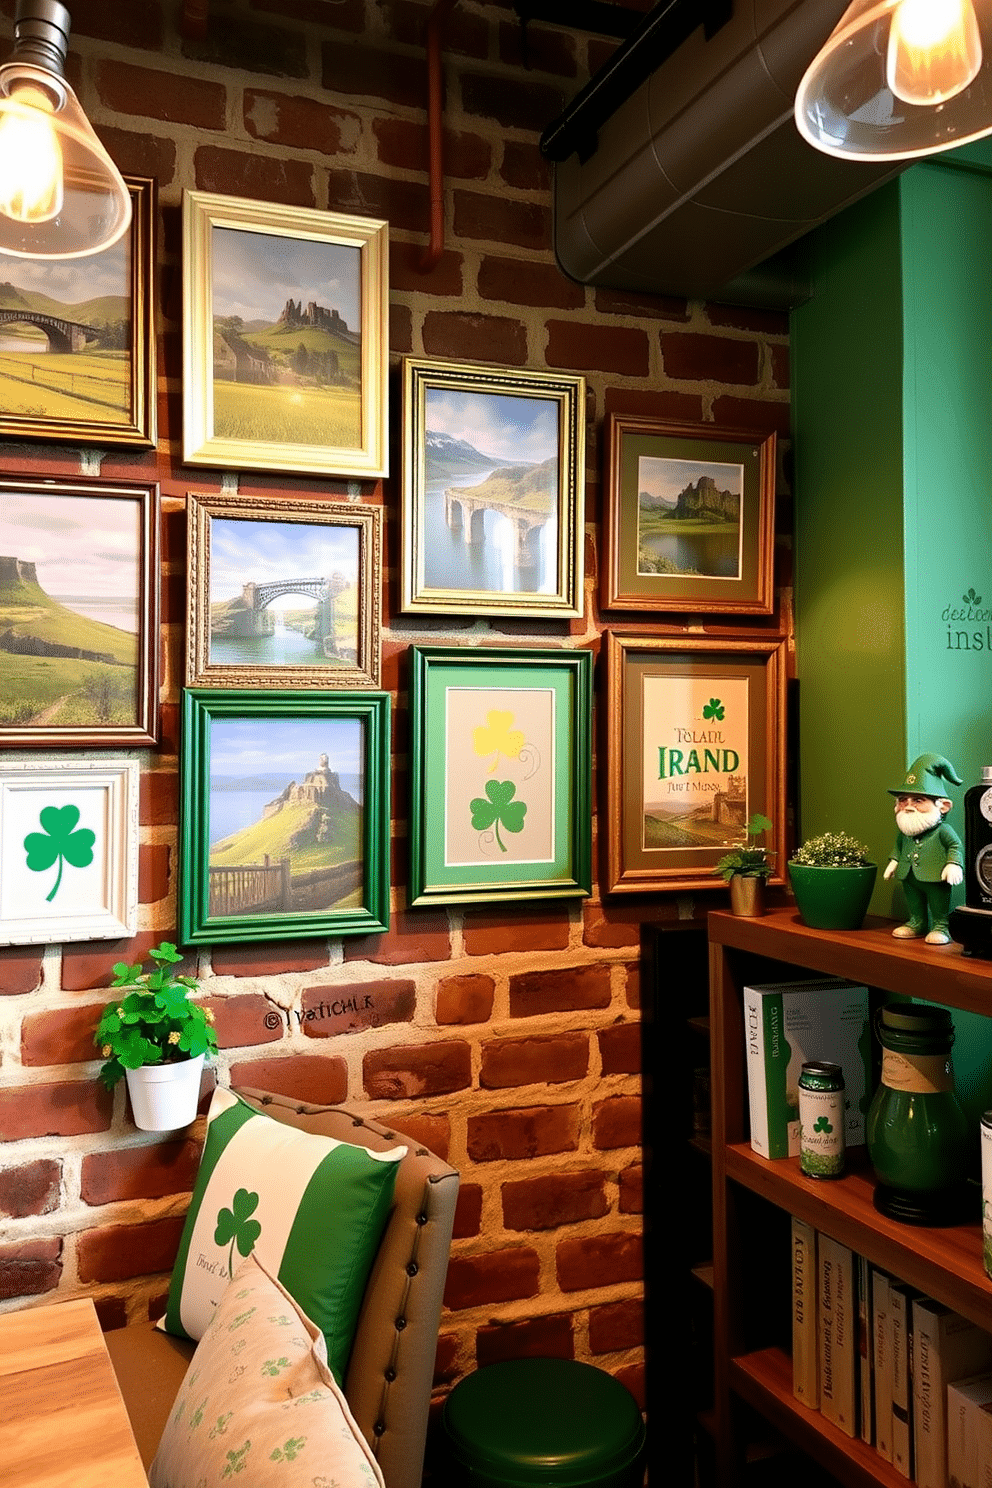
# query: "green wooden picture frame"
x,y
501,767
285,813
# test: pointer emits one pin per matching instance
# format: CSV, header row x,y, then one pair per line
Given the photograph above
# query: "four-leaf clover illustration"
x,y
59,842
714,709
497,736
499,807
236,1225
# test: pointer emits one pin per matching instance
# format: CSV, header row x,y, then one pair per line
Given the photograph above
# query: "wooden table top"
x,y
62,1419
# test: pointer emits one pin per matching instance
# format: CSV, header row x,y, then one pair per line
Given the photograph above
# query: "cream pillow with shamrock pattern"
x,y
259,1407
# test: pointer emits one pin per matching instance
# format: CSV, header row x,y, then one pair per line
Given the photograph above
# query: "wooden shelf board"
x,y
704,1274
764,1380
700,1025
703,1145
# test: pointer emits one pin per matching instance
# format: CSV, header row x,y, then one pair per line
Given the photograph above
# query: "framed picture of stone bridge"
x,y
284,813
283,593
77,340
695,748
285,338
492,495
689,518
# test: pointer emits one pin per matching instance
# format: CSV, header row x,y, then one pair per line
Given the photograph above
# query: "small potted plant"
x,y
153,1035
746,867
832,877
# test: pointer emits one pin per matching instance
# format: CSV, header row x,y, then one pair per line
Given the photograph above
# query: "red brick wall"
x,y
508,1039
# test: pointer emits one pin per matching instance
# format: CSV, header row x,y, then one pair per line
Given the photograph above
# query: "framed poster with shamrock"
x,y
696,747
68,849
501,774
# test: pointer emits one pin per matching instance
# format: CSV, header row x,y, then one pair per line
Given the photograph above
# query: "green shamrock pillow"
x,y
312,1210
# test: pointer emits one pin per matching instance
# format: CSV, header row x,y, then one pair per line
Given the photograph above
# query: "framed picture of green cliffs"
x,y
285,814
689,518
79,608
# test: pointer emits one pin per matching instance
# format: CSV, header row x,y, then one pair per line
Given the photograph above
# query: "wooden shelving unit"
x,y
945,1263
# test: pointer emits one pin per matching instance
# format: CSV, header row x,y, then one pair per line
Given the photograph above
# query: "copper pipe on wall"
x,y
440,11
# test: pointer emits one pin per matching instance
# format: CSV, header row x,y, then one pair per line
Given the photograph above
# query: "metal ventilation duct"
x,y
697,178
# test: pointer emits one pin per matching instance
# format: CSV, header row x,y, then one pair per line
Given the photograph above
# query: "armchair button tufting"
x,y
412,1269
390,1374
421,1219
400,1324
379,1428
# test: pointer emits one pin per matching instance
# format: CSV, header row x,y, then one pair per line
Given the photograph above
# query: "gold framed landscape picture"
x,y
77,340
79,607
285,338
689,518
493,490
283,593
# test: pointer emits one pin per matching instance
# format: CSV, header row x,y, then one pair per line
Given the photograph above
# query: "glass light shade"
x,y
61,196
884,87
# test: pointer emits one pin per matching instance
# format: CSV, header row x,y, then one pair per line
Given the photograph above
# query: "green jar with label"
x,y
917,1130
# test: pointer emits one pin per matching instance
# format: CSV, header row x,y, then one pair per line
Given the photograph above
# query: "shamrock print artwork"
x,y
61,841
235,1225
498,808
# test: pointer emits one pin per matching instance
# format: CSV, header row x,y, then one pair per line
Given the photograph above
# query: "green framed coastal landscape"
x,y
285,338
689,518
493,490
79,614
78,359
501,787
285,815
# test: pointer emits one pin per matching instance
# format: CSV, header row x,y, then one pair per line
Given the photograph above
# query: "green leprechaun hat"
x,y
926,776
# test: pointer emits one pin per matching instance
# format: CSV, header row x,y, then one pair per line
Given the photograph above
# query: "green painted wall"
x,y
893,499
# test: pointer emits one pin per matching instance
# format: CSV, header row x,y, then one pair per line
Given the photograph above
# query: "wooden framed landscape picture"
x,y
77,340
285,350
283,593
493,486
696,744
285,815
68,849
689,521
79,607
501,774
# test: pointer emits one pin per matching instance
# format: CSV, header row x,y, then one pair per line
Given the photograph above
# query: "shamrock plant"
x,y
60,841
152,1021
498,808
747,858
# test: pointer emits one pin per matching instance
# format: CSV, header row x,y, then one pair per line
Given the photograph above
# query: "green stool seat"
x,y
552,1422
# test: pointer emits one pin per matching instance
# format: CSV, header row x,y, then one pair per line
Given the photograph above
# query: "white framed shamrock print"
x,y
68,849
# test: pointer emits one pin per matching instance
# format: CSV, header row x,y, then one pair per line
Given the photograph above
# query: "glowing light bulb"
x,y
934,50
30,157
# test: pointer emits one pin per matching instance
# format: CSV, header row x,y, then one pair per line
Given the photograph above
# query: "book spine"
x,y
837,1335
963,1430
866,1412
882,1362
902,1395
929,1409
759,1024
805,1350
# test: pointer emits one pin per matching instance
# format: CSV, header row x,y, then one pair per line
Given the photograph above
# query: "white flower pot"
x,y
165,1096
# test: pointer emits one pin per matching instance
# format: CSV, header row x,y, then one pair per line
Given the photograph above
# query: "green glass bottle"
x,y
917,1130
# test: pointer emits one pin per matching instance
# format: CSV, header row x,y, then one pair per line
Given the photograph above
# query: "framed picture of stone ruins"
x,y
696,745
493,481
285,338
689,518
283,593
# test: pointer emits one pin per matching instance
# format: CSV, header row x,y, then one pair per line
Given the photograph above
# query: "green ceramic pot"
x,y
832,898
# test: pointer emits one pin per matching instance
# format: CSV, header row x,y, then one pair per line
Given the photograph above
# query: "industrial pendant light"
x,y
900,78
61,196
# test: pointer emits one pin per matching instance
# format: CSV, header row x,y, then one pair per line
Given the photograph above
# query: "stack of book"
x,y
881,1361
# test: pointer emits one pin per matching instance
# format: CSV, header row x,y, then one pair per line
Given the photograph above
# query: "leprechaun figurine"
x,y
928,859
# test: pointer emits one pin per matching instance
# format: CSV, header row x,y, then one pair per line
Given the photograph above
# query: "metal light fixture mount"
x,y
61,196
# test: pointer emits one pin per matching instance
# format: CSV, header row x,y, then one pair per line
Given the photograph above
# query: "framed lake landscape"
x,y
77,340
283,593
689,519
285,815
285,338
501,774
68,849
696,744
79,613
493,484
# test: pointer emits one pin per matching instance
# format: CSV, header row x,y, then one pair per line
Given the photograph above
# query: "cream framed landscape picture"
x,y
493,488
78,356
285,815
285,345
79,611
283,593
